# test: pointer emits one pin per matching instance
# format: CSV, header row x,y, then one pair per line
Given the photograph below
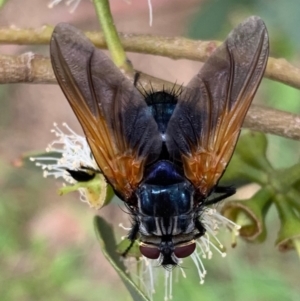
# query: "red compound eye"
x,y
149,252
184,251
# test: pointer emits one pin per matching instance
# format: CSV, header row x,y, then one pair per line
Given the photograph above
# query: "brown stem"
x,y
26,68
176,48
32,68
273,121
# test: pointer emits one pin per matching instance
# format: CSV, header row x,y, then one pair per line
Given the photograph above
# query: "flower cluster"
x,y
71,151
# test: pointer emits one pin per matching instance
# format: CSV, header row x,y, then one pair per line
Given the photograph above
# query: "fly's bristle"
x,y
173,92
146,93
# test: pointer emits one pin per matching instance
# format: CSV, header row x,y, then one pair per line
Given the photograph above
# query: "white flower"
x,y
71,151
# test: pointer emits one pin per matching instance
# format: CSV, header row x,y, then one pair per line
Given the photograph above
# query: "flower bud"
x,y
288,237
95,192
250,214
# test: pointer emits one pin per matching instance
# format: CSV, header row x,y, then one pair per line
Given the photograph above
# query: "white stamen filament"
x,y
72,3
167,273
150,13
73,153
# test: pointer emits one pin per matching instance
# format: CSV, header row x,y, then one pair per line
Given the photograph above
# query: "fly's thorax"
x,y
166,221
166,210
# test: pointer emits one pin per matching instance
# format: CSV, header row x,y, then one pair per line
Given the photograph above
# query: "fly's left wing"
x,y
207,120
119,128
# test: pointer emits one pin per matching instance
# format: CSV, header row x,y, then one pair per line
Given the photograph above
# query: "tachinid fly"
x,y
163,153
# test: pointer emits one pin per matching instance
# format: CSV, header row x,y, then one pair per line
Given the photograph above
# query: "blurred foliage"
x,y
2,2
30,268
216,17
108,245
282,152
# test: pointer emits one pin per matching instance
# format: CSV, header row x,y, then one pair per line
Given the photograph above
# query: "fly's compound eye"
x,y
185,251
150,252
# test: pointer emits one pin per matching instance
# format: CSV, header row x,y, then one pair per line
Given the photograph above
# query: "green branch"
x,y
112,39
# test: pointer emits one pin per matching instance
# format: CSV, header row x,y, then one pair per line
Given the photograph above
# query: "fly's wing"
x,y
120,130
206,122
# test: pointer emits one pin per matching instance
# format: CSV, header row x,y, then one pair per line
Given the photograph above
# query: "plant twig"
x,y
176,48
31,68
26,68
112,39
266,120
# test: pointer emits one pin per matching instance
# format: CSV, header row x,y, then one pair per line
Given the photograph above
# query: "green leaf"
x,y
108,245
134,250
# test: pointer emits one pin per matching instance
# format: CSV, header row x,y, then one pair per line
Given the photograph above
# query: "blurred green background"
x,y
48,249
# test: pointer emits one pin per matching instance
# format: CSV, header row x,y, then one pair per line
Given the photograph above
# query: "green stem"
x,y
293,198
114,45
283,179
292,175
255,175
296,243
285,211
